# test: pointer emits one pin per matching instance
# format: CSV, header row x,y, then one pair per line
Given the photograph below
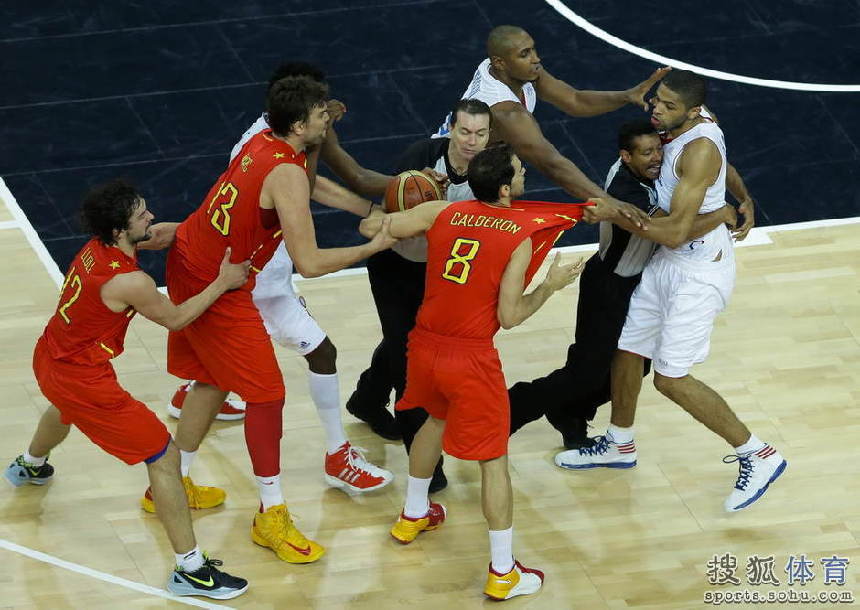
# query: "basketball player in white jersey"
x,y
511,80
290,325
683,288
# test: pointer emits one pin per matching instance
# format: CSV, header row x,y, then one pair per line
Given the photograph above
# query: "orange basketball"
x,y
408,189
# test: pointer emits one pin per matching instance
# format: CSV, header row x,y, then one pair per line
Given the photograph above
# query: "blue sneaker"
x,y
605,453
208,581
20,472
756,471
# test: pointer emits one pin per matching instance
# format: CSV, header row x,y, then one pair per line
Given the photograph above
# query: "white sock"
x,y
190,561
186,458
270,491
325,393
751,446
619,435
32,460
501,543
417,499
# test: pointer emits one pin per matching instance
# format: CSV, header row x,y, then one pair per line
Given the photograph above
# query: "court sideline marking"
x,y
116,580
562,9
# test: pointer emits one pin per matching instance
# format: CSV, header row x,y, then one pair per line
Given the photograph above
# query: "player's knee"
x,y
165,460
666,385
323,359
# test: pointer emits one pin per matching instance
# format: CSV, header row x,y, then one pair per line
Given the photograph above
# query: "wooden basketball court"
x,y
786,356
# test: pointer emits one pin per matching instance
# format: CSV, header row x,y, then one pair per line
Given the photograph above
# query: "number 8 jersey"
x,y
231,215
469,247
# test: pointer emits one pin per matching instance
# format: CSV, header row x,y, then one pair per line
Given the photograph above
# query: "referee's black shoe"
x,y
379,418
575,436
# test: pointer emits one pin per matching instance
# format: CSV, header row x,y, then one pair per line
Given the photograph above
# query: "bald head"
x,y
502,39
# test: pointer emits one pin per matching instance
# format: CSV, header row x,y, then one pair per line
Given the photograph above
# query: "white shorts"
x,y
672,312
283,311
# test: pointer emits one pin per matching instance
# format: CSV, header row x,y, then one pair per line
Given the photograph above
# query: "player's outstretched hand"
x,y
560,275
636,95
610,209
233,275
747,210
383,239
731,216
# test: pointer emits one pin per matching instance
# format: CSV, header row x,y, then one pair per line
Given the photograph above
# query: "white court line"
x,y
9,224
30,233
580,22
116,580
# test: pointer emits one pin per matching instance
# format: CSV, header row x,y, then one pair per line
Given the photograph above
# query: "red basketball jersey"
x,y
469,247
83,330
231,215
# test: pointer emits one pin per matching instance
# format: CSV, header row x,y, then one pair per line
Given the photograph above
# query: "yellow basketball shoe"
x,y
406,529
519,581
199,496
275,529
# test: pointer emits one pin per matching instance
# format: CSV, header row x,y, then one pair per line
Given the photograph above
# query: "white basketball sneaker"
x,y
756,471
605,453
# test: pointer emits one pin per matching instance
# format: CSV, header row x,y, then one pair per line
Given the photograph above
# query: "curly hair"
x,y
107,208
291,99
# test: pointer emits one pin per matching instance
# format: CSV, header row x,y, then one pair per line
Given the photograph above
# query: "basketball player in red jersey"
x,y
481,255
103,290
261,199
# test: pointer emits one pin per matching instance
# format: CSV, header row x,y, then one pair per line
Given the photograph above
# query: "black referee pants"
x,y
575,391
397,285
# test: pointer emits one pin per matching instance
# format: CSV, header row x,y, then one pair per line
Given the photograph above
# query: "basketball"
x,y
408,189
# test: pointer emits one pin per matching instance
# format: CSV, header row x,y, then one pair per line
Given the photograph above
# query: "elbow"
x,y
175,325
507,320
309,270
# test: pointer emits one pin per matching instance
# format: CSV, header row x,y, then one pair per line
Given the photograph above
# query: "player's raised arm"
x,y
138,290
333,195
162,236
408,223
287,188
516,307
580,103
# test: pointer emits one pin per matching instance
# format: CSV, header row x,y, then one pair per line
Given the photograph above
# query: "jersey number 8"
x,y
458,266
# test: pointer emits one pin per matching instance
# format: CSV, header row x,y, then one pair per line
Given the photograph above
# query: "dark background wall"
x,y
158,91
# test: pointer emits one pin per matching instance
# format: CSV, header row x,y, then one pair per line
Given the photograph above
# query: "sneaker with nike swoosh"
x,y
274,529
20,472
208,581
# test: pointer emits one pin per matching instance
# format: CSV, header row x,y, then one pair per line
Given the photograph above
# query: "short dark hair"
x,y
690,86
107,208
291,99
470,105
296,68
631,130
489,170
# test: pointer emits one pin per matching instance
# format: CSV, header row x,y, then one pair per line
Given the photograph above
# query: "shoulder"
x,y
129,282
420,153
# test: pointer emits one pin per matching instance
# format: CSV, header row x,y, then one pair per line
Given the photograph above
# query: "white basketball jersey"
x,y
491,91
709,246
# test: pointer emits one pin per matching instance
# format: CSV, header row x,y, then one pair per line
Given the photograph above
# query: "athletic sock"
x,y
751,446
501,543
325,393
190,561
32,460
417,499
186,458
270,491
619,435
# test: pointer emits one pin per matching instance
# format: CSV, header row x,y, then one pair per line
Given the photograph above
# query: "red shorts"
x,y
460,381
91,398
227,346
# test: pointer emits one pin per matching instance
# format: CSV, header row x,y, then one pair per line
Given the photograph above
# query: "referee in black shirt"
x,y
570,396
